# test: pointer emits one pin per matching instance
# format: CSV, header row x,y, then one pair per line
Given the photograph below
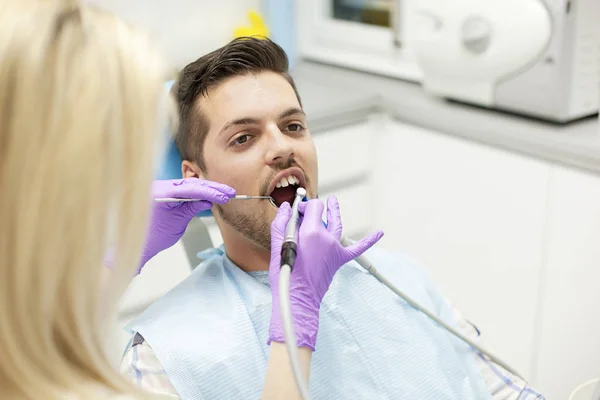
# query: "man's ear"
x,y
190,169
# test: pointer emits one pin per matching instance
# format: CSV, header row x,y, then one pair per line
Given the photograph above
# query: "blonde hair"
x,y
80,92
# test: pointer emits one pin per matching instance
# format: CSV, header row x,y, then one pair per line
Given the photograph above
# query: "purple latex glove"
x,y
319,256
170,220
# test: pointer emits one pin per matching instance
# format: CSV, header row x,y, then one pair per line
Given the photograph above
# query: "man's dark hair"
x,y
241,56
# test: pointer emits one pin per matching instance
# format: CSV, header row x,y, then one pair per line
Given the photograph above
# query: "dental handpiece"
x,y
288,257
290,241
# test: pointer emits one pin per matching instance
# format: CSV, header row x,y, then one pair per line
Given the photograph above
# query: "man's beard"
x,y
256,227
253,225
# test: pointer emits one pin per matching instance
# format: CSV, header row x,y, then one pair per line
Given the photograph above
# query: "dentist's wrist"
x,y
305,321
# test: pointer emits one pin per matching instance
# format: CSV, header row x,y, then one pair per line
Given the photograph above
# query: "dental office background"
x,y
466,130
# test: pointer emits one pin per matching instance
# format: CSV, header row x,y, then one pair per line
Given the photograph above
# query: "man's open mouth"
x,y
283,188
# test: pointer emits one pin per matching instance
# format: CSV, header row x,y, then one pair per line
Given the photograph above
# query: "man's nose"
x,y
280,147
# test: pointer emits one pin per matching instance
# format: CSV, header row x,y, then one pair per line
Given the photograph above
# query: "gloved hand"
x,y
319,256
170,220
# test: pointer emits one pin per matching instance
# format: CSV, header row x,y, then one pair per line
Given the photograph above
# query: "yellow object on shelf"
x,y
257,26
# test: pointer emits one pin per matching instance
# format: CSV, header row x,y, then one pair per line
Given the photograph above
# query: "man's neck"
x,y
246,255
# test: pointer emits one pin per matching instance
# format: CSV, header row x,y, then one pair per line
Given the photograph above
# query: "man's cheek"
x,y
271,214
225,179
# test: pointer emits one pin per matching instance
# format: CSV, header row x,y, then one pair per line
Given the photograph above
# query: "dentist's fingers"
x,y
197,190
302,207
356,249
195,207
220,187
313,213
334,218
280,221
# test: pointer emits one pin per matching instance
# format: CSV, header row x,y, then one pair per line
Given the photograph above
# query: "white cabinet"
x,y
568,346
356,209
345,157
345,154
473,216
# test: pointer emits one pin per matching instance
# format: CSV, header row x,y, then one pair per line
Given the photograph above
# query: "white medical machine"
x,y
539,58
535,57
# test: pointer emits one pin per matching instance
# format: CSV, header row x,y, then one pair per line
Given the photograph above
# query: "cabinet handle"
x,y
395,18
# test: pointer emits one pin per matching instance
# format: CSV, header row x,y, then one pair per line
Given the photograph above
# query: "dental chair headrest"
x,y
170,168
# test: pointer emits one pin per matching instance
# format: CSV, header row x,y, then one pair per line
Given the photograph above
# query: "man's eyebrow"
x,y
239,121
249,121
291,111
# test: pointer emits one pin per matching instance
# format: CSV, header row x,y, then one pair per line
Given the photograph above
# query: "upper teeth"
x,y
290,180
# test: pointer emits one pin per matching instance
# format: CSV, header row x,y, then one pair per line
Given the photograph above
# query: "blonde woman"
x,y
80,92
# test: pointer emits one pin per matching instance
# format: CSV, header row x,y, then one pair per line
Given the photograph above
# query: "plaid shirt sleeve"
x,y
143,368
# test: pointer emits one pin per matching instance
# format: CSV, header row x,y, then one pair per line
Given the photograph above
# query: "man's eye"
x,y
241,140
295,127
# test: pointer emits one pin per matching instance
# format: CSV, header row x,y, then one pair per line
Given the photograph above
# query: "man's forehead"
x,y
259,96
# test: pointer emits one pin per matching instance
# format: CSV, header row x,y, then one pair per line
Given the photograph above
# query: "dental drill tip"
x,y
291,229
301,192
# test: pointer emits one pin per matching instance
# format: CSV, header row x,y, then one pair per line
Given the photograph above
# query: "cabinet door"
x,y
345,154
569,336
473,216
355,207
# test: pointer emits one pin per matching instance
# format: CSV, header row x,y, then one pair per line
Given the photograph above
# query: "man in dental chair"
x,y
242,125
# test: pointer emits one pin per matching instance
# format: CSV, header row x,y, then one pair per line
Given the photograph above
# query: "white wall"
x,y
184,29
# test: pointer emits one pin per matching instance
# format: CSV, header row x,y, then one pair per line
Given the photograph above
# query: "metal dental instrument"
x,y
238,197
288,257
